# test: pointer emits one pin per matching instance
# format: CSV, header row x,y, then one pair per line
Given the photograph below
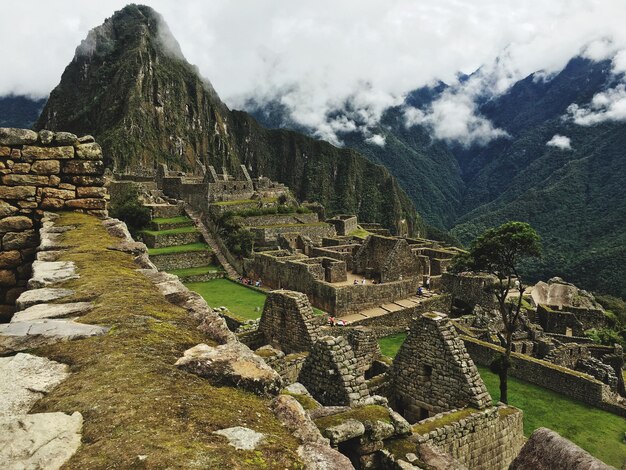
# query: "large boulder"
x,y
321,457
232,364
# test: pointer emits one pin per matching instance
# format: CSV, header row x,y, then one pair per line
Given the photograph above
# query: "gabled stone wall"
x,y
331,373
288,322
433,372
41,171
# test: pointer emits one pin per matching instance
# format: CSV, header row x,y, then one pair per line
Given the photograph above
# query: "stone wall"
x,y
330,373
469,290
569,321
288,322
344,224
484,440
184,260
315,231
386,259
433,372
280,219
364,345
559,379
41,171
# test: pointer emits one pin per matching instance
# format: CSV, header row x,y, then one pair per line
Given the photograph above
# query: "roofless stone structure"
x,y
433,372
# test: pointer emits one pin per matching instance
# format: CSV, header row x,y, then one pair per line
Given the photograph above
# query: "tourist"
x,y
341,323
420,292
363,281
355,282
400,277
428,282
331,321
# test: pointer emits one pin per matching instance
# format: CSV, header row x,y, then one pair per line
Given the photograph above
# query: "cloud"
x,y
317,57
609,105
454,118
560,141
376,139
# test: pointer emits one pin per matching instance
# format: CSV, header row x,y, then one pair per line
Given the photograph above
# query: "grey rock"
x,y
65,138
7,209
39,441
46,273
20,336
322,457
40,296
46,136
290,412
26,379
86,139
41,311
232,364
242,438
342,432
117,228
51,241
13,136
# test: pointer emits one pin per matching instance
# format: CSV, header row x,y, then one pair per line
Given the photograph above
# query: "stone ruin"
x,y
288,322
41,171
386,259
433,372
331,373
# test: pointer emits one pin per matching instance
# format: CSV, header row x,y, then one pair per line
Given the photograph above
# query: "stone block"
x,y
52,203
21,168
24,180
15,223
89,151
7,278
87,204
17,192
68,186
91,191
78,167
65,138
10,259
19,240
87,180
54,180
58,193
7,209
46,137
48,153
12,136
86,139
46,167
5,151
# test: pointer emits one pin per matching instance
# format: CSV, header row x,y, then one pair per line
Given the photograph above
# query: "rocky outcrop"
x,y
547,450
231,364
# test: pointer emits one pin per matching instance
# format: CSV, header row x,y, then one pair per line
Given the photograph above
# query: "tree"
x,y
499,251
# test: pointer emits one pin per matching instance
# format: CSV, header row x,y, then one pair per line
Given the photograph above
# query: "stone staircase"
x,y
175,245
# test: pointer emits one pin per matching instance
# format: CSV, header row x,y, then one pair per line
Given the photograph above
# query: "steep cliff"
x,y
130,86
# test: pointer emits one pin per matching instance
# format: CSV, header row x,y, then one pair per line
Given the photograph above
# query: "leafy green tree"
x,y
499,251
127,207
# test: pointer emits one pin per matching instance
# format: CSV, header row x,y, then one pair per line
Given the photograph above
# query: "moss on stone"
x,y
306,401
132,397
363,413
453,417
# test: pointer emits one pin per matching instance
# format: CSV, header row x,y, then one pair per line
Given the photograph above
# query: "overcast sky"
x,y
318,54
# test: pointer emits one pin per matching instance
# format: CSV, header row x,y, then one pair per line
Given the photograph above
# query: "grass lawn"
x,y
390,345
179,249
196,271
243,303
598,432
359,232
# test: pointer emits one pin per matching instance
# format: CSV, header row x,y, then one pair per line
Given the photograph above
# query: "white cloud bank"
x,y
560,141
319,56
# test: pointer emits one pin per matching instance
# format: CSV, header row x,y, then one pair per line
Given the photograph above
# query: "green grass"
x,y
243,303
171,231
390,345
359,233
311,224
598,432
172,220
244,201
196,271
179,249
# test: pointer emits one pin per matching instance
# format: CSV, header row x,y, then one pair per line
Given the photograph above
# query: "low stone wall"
x,y
314,231
289,366
485,440
41,171
567,382
171,239
191,259
399,321
280,219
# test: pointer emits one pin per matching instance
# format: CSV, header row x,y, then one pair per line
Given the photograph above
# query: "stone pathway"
x,y
210,240
385,309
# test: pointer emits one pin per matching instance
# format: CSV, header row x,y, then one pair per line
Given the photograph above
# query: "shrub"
x,y
130,210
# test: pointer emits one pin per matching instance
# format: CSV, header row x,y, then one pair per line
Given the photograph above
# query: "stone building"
x,y
433,372
288,322
386,259
331,373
